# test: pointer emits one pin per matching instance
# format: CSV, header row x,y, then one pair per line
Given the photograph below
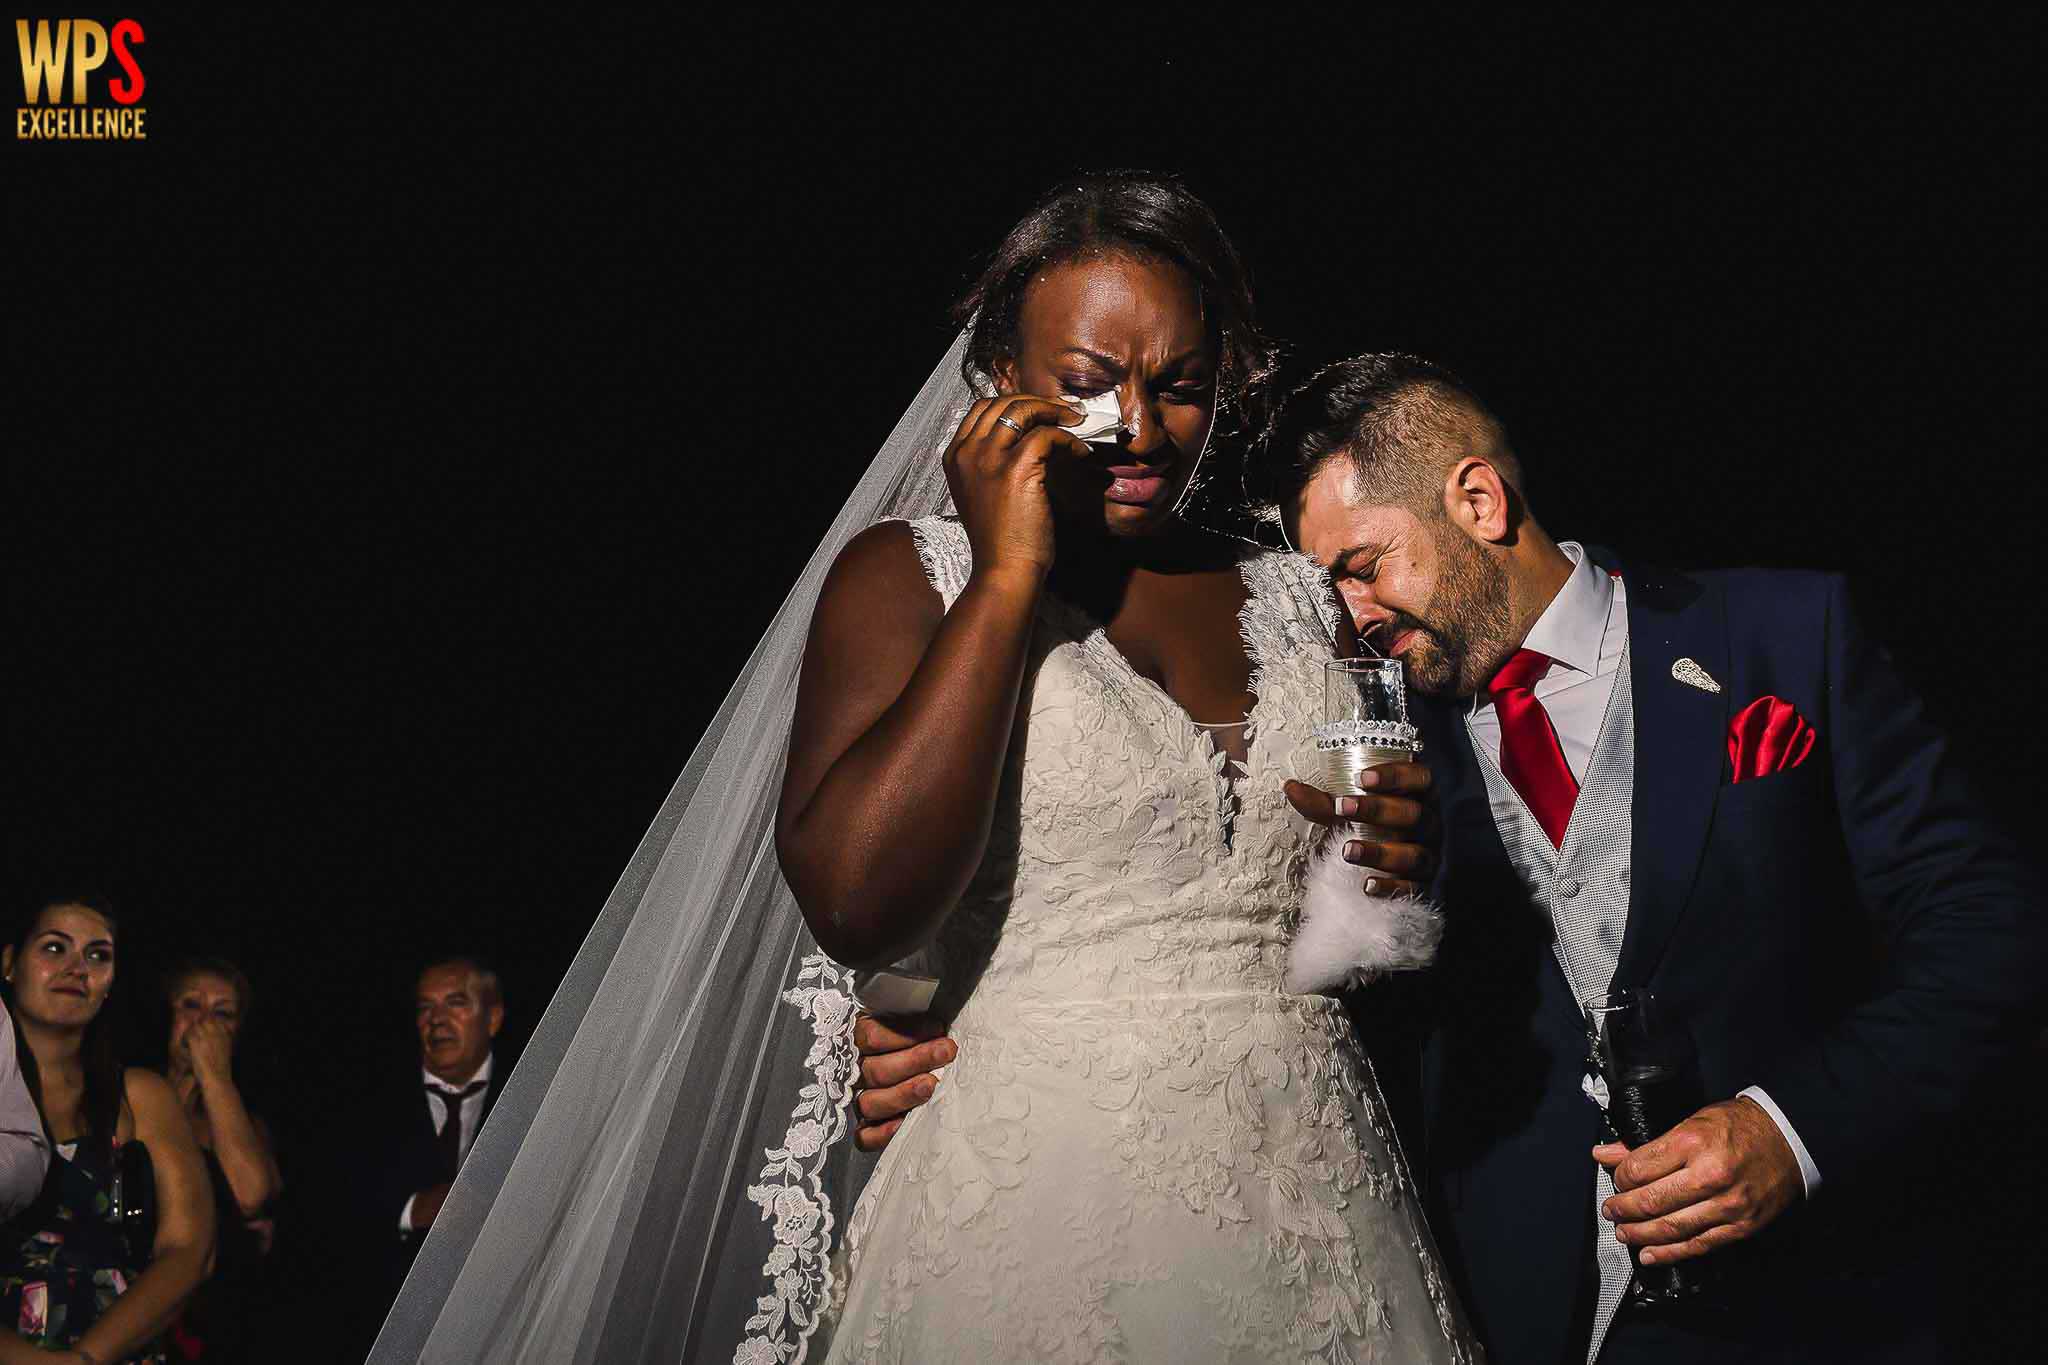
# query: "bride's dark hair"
x,y
1148,216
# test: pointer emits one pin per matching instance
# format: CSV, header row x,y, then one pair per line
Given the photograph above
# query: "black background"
x,y
460,397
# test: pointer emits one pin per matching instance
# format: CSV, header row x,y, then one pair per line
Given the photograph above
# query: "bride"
x,y
1044,741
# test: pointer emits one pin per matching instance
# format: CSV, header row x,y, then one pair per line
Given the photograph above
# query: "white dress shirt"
x,y
1584,631
24,1147
437,1110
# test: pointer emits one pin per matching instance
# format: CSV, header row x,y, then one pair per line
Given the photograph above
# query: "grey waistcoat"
x,y
1583,887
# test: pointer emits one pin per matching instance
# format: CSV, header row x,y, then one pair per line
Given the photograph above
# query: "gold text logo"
x,y
58,59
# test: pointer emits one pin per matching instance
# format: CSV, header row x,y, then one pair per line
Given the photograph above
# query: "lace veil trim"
x,y
792,1184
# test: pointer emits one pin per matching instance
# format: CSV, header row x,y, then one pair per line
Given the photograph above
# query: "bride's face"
x,y
1132,327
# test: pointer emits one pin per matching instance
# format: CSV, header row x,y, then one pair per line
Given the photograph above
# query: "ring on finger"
x,y
1012,424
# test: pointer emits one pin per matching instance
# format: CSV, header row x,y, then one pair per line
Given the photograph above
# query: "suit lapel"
x,y
1474,879
1680,746
1470,834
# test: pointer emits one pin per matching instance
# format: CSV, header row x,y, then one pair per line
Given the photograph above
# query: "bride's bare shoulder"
x,y
879,579
884,557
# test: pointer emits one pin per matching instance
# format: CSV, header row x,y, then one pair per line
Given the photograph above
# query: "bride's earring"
x,y
1187,490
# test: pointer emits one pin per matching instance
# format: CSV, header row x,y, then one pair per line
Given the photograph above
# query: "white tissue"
x,y
892,991
1348,938
1103,416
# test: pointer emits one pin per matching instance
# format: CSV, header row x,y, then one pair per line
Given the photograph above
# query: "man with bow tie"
x,y
458,1009
1714,787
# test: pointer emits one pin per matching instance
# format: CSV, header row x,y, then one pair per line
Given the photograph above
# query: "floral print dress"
x,y
64,1262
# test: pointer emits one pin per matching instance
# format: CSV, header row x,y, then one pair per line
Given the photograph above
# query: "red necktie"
x,y
1531,759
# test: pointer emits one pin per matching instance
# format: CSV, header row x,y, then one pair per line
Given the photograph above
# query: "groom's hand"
x,y
1397,802
897,1060
1722,1175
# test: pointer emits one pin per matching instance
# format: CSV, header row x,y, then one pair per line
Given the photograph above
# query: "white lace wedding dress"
x,y
1147,1150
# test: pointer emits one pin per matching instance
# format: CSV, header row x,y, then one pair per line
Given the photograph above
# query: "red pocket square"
x,y
1768,736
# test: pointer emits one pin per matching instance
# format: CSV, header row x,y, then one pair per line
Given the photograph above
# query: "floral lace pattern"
x,y
1147,1149
791,1190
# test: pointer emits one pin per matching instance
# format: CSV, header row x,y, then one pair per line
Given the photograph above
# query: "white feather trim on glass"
x,y
1348,938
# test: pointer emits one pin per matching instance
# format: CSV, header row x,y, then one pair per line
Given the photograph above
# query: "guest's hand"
x,y
426,1206
896,1062
1722,1175
1397,802
210,1048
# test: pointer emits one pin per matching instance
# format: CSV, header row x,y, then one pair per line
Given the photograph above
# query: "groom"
x,y
1712,786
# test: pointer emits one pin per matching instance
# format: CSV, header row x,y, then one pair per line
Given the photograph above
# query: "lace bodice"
x,y
1125,829
1147,1149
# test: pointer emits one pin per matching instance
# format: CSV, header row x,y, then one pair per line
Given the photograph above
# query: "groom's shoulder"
x,y
1751,588
1787,586
1781,605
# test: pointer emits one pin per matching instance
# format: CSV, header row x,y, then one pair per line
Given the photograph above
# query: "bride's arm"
x,y
904,711
903,718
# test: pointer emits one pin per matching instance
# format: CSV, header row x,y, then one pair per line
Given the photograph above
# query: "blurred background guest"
x,y
210,1000
458,1008
100,1264
24,1148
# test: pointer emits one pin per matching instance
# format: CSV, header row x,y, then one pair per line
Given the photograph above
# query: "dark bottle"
x,y
1649,1100
1653,1085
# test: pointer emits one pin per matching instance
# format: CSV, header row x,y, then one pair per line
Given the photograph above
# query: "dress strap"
x,y
1291,608
948,558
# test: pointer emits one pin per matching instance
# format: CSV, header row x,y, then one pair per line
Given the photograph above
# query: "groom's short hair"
x,y
1402,421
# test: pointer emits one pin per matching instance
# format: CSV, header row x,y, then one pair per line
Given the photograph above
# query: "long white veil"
x,y
642,1190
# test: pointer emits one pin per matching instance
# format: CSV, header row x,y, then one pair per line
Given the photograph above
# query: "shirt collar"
x,y
1572,626
482,1073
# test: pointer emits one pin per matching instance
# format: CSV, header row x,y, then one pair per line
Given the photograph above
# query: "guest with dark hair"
x,y
82,1271
209,1000
458,1009
24,1147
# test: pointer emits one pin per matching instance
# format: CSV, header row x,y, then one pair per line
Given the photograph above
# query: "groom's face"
x,y
1417,588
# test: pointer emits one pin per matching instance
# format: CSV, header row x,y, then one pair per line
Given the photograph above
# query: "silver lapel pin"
x,y
1692,675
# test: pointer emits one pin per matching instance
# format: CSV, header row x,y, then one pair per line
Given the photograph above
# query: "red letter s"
x,y
130,90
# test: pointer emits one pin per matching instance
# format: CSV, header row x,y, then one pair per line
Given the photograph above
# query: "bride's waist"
x,y
1000,1009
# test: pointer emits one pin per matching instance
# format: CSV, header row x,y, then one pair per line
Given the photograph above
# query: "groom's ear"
x,y
1477,501
1004,372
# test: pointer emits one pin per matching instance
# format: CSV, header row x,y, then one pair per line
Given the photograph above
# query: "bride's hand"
x,y
995,468
1398,802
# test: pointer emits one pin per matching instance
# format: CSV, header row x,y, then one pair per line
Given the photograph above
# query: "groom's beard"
x,y
1471,630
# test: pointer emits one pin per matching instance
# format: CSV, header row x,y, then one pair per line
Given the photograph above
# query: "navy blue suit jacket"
x,y
1850,934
